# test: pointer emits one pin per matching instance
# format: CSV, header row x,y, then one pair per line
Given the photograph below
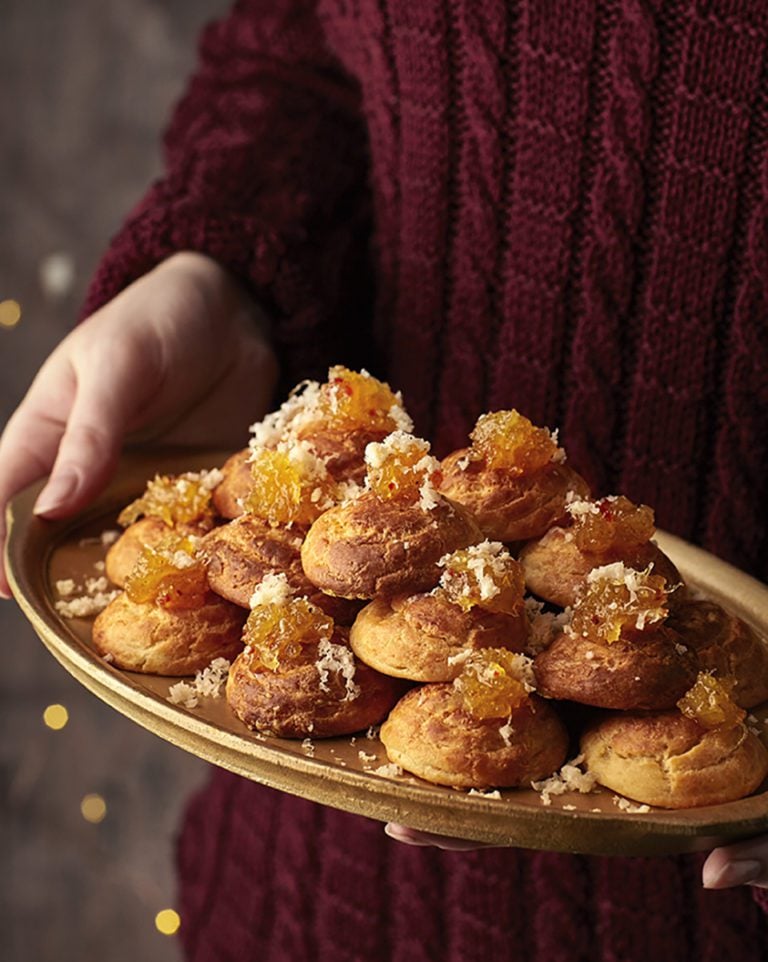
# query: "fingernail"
x,y
55,493
739,872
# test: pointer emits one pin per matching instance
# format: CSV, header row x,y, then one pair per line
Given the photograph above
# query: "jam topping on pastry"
x,y
709,703
494,683
617,600
290,485
484,575
401,468
508,440
175,499
352,399
285,633
169,574
610,524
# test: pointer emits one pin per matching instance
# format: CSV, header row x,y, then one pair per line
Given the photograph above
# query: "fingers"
x,y
744,863
90,444
71,424
27,451
410,836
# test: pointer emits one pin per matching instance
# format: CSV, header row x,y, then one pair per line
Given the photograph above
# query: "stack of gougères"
x,y
354,580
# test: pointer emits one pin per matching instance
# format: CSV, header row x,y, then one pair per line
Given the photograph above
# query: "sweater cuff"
x,y
277,272
155,231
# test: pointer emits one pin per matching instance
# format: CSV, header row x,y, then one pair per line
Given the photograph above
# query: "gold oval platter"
x,y
342,772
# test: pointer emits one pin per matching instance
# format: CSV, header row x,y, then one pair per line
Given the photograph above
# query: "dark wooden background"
x,y
85,87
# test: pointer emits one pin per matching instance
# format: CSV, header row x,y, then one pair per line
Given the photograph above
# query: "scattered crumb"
x,y
544,625
366,757
506,731
372,733
460,657
569,808
207,683
570,778
86,606
480,794
630,807
388,771
65,587
308,747
340,660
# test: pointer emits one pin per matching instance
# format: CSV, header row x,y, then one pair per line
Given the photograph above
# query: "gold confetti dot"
x,y
93,808
167,921
56,717
10,313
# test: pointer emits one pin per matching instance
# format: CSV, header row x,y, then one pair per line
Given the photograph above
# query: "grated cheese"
x,y
488,564
338,659
570,778
94,597
579,508
273,590
300,407
630,808
388,771
207,683
544,625
507,731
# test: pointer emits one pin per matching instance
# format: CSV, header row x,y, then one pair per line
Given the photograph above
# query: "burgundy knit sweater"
x,y
557,205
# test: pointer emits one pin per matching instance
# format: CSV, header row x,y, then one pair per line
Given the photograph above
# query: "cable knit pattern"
x,y
569,205
557,45
738,482
606,268
704,147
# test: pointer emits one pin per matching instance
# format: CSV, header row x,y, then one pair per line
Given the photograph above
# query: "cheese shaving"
x,y
93,597
570,778
273,590
338,659
544,625
388,771
208,683
630,808
301,406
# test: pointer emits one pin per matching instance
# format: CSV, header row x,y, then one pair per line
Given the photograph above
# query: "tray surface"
x,y
341,772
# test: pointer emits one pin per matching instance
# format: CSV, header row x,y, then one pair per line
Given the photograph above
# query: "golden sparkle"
x,y
10,313
93,808
56,717
167,921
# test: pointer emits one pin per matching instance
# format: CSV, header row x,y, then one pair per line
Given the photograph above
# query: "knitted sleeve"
x,y
265,171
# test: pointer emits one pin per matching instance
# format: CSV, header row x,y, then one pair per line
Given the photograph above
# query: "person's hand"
x,y
178,357
744,863
410,836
